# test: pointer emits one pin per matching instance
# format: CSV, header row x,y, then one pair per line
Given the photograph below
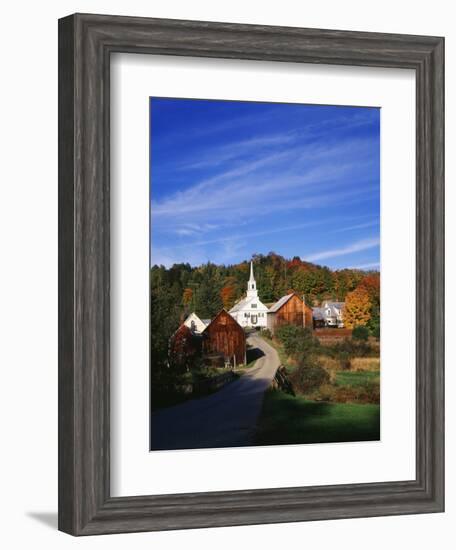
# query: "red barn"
x,y
224,335
290,310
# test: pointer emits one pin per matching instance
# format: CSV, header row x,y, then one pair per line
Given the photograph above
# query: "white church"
x,y
250,311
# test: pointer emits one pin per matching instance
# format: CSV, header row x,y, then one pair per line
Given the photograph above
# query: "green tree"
x,y
208,301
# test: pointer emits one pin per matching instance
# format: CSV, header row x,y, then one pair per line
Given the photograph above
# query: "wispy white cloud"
x,y
243,237
217,194
219,155
236,123
265,184
357,226
193,229
357,246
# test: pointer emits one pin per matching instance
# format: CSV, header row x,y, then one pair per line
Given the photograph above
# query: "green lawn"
x,y
356,378
293,420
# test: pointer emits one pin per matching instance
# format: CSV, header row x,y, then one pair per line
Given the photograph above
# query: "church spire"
x,y
251,285
252,278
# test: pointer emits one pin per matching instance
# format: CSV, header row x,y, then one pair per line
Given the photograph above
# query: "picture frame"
x,y
85,44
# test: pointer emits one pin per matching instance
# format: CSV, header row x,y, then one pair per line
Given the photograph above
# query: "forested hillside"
x,y
181,289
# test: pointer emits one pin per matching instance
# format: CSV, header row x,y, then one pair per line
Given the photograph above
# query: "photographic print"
x,y
264,273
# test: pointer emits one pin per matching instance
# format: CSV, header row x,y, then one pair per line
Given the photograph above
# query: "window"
x,y
254,305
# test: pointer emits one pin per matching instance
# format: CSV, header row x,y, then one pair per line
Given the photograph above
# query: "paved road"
x,y
226,418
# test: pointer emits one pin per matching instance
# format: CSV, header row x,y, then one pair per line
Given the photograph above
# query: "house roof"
x,y
191,316
318,313
280,303
199,324
335,304
239,305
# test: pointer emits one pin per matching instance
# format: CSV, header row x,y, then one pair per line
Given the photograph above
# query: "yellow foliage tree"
x,y
357,308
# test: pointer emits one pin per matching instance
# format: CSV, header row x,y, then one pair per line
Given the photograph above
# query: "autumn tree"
x,y
345,281
371,283
227,295
187,296
205,289
357,311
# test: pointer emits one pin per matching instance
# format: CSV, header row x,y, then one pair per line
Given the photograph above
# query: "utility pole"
x,y
304,310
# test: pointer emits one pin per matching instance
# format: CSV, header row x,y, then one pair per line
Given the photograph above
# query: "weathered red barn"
x,y
226,336
290,310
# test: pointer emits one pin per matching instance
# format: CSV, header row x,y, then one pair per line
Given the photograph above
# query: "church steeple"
x,y
251,285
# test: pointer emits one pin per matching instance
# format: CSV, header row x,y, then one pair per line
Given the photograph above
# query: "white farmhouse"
x,y
250,311
334,313
195,324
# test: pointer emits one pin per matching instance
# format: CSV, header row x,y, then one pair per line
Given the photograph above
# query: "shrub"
x,y
368,393
374,329
266,333
308,378
354,348
326,393
297,340
360,333
288,335
374,323
363,364
330,364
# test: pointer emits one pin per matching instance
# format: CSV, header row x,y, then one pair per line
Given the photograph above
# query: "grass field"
x,y
357,378
293,420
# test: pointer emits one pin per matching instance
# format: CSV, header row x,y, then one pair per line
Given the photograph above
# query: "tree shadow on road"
x,y
253,354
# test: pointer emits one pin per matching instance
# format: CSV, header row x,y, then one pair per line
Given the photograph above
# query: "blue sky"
x,y
230,179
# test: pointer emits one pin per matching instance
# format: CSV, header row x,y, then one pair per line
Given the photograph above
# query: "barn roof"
x,y
223,310
184,328
280,303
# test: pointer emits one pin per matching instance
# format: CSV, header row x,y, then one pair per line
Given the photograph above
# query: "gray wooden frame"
x,y
85,45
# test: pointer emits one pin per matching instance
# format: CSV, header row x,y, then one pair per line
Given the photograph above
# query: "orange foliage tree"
x,y
227,294
187,296
357,311
372,285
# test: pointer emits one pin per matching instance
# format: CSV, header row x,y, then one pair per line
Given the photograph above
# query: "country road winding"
x,y
226,418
